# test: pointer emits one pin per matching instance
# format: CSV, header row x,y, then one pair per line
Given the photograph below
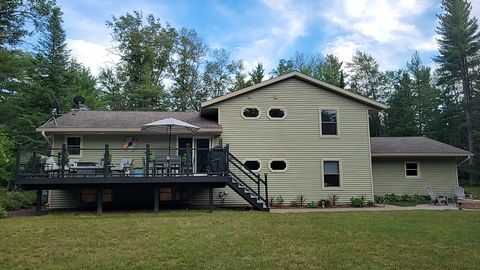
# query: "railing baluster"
x,y
227,159
258,188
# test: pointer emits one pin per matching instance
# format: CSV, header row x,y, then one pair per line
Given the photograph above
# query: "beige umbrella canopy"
x,y
169,125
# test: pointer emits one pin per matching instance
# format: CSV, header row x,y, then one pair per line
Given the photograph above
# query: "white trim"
x,y
320,109
340,171
81,144
251,107
278,171
419,171
253,159
348,94
370,162
419,155
277,107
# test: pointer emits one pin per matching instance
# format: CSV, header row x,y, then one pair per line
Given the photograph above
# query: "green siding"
x,y
296,139
389,175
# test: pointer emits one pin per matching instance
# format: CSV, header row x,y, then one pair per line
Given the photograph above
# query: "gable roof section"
x,y
131,121
305,78
413,146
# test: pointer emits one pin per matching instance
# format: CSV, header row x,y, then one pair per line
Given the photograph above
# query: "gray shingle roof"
x,y
125,119
413,146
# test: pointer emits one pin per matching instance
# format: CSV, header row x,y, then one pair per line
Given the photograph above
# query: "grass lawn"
x,y
473,189
243,240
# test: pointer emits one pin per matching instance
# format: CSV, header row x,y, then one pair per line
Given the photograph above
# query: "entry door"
x,y
199,155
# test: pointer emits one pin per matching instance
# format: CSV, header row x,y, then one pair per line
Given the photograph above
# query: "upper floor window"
x,y
277,113
74,145
253,165
328,122
412,169
278,165
251,112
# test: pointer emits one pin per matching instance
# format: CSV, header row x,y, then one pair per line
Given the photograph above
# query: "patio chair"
x,y
175,164
51,165
459,193
124,167
436,198
160,165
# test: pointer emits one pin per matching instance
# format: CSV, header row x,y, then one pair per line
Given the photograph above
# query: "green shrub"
x,y
392,198
379,199
325,203
294,204
14,200
312,204
279,200
3,212
357,202
406,198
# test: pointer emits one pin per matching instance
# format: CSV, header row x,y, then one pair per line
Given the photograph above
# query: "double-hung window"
x,y
328,122
412,169
331,174
74,145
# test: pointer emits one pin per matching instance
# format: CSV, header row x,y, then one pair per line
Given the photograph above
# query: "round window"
x,y
251,112
276,113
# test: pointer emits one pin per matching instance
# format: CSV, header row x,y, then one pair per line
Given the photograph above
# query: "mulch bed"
x,y
21,213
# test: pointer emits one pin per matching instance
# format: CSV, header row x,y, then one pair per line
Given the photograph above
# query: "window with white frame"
x,y
251,112
252,164
328,119
74,145
277,113
331,173
278,165
412,169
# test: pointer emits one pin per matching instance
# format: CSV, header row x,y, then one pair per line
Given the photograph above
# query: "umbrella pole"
x,y
169,149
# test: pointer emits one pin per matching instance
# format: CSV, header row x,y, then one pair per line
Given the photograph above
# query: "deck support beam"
x,y
210,199
38,203
156,207
99,201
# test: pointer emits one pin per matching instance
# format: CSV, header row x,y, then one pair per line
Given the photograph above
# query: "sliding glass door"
x,y
199,157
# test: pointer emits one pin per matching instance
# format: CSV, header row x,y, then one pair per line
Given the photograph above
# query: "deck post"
x,y
63,160
147,159
266,190
189,159
227,160
18,150
106,161
34,161
99,201
38,203
156,207
210,199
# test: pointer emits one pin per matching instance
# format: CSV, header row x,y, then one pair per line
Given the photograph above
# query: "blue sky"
x,y
268,30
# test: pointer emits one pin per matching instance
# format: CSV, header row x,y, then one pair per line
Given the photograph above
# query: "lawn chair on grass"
x,y
436,198
459,193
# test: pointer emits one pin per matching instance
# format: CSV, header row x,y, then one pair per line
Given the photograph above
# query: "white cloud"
x,y
92,55
386,29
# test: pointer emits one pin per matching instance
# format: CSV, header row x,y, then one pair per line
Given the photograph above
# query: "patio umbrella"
x,y
170,125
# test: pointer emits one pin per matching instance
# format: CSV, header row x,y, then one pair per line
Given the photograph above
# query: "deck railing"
x,y
118,162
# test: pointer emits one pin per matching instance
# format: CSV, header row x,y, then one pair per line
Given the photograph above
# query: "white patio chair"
x,y
124,166
436,198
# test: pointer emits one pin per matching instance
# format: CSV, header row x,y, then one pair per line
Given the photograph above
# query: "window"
x,y
329,122
278,165
331,174
251,112
74,145
166,194
412,169
253,165
276,113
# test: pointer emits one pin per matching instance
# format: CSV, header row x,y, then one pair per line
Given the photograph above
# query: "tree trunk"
x,y
468,116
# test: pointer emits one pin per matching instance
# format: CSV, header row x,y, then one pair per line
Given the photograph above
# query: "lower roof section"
x,y
413,146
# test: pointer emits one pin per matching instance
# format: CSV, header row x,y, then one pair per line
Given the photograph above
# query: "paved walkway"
x,y
380,208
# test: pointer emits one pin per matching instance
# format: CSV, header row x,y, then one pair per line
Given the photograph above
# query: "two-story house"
x,y
288,136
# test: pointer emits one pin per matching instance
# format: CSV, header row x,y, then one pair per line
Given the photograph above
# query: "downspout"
x,y
46,139
465,160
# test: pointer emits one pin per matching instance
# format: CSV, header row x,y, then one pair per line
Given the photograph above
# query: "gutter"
x,y
44,135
